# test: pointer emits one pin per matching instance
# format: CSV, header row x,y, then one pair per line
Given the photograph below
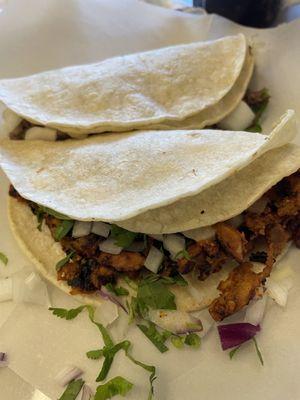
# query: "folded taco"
x,y
184,219
188,86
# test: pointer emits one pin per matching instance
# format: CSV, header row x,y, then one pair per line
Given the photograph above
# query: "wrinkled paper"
x,y
37,35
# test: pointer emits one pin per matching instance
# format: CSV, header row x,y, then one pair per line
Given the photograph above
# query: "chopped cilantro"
x,y
259,355
67,314
154,336
72,390
131,283
193,340
183,254
232,352
254,128
64,261
258,352
116,386
177,341
155,295
55,214
118,291
3,258
123,238
94,354
63,229
258,101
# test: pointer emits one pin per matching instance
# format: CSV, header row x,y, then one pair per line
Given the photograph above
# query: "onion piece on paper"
x,y
232,335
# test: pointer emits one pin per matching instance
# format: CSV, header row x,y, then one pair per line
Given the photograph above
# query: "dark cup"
x,y
259,14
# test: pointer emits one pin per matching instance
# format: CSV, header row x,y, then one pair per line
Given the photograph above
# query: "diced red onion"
x,y
3,360
174,243
153,259
86,392
255,311
81,228
6,289
40,133
109,246
239,119
137,247
105,294
232,335
101,229
68,374
157,237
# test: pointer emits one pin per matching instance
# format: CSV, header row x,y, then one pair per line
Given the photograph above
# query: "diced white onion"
x,y
10,121
239,119
68,374
255,311
32,281
81,228
277,292
36,293
154,259
178,322
174,243
206,319
136,247
6,290
157,237
101,229
39,133
207,232
109,246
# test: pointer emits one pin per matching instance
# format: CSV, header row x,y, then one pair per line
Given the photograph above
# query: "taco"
x,y
207,214
188,86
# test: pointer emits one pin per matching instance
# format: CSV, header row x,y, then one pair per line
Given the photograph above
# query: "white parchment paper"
x,y
37,35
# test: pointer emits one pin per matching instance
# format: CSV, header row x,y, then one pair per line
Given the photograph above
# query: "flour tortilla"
x,y
162,86
114,177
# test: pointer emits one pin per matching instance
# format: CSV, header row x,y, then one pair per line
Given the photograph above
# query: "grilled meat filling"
x,y
275,225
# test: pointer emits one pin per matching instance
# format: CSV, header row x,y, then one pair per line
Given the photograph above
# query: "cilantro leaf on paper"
x,y
232,352
193,340
63,229
123,238
64,261
67,314
118,291
72,390
258,352
95,354
154,336
116,386
3,258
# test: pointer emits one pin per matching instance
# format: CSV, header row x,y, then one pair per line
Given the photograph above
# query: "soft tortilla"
x,y
114,177
143,89
44,252
222,201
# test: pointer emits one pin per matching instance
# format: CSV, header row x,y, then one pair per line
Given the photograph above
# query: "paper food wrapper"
x,y
41,35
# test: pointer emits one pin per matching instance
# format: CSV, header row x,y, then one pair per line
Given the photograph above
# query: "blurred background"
x,y
259,13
